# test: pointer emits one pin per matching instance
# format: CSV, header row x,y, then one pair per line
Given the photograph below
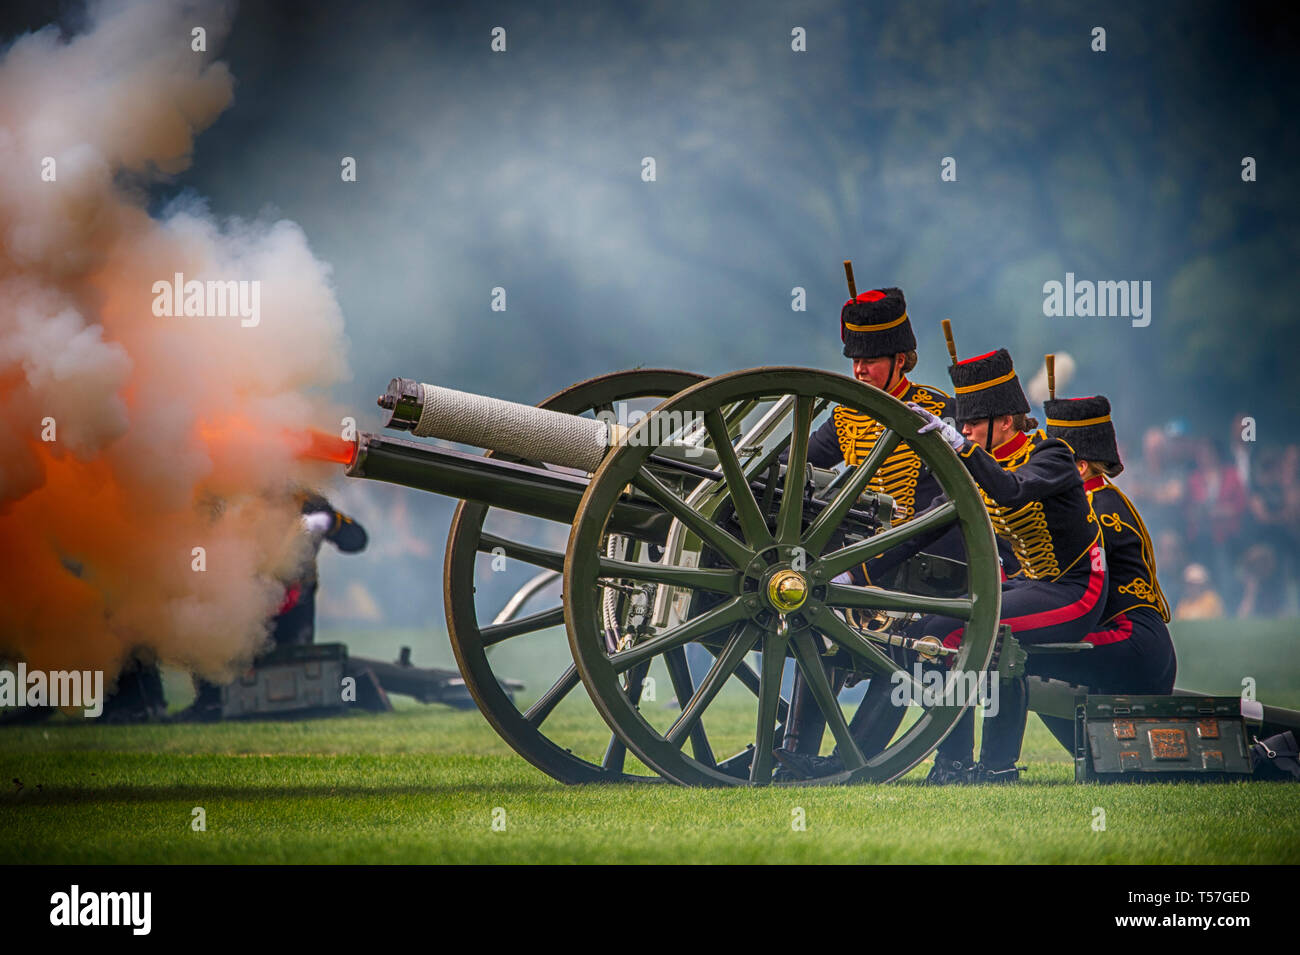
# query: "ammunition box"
x,y
1160,738
289,679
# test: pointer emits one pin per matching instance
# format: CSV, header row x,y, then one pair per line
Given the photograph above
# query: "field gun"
x,y
697,526
694,523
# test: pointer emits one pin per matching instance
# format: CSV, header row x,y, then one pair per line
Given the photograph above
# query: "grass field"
x,y
422,784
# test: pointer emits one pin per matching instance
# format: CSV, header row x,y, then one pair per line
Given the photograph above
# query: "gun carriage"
x,y
702,525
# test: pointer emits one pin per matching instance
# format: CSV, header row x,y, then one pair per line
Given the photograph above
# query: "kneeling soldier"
x,y
1037,503
878,337
1132,651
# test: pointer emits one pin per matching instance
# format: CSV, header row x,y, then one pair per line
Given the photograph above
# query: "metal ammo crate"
x,y
306,677
1155,738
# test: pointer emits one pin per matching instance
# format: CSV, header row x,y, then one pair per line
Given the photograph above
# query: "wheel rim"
x,y
524,730
757,561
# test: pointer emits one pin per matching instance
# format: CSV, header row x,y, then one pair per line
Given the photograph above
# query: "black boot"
x,y
1005,732
983,774
876,719
797,766
873,726
950,772
954,760
206,707
138,696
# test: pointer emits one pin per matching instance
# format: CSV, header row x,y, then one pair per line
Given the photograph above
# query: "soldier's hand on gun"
x,y
934,423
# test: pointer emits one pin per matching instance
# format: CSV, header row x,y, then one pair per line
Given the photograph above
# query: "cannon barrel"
x,y
523,488
549,437
507,427
538,491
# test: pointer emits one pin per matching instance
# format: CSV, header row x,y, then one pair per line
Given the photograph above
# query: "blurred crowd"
x,y
1224,516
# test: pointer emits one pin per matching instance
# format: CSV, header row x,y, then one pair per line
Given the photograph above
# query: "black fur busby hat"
x,y
987,387
875,324
1084,424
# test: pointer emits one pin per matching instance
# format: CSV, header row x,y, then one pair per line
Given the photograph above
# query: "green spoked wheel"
x,y
478,534
768,585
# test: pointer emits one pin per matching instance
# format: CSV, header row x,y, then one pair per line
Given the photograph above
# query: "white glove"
x,y
317,523
844,578
934,423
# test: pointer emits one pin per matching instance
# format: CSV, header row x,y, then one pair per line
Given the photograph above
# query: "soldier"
x,y
1132,651
1036,502
295,621
878,337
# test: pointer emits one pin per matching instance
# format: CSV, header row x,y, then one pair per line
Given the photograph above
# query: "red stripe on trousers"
x,y
1051,618
1123,631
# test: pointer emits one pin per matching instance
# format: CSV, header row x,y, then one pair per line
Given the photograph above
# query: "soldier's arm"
x,y
879,566
824,446
1049,471
322,518
1106,502
346,534
1010,562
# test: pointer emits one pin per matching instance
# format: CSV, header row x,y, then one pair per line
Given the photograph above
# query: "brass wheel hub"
x,y
787,590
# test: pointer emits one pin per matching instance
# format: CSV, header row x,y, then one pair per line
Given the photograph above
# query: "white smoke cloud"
x,y
171,433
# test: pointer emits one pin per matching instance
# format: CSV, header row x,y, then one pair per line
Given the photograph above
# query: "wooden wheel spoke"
x,y
710,621
769,695
538,556
717,581
552,697
684,689
790,519
513,628
615,755
717,538
752,524
839,632
725,664
878,598
616,751
810,664
831,518
749,679
837,562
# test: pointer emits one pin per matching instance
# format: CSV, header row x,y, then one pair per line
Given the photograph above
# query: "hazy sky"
x,y
522,170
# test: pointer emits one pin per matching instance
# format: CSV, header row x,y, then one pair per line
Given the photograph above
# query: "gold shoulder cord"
x,y
897,475
931,403
1025,527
